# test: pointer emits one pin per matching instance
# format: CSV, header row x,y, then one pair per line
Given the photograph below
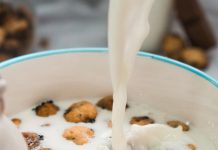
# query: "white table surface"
x,y
74,23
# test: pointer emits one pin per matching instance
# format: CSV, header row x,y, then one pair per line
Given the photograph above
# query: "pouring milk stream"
x,y
128,28
10,137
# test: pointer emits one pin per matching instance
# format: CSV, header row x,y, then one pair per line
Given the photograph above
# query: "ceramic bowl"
x,y
162,83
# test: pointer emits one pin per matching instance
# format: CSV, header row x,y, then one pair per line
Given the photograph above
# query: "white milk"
x,y
128,27
151,133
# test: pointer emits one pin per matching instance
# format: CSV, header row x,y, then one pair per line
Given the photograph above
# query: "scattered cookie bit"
x,y
141,120
109,124
192,147
195,57
32,139
16,121
46,109
176,124
46,125
172,45
83,111
107,103
78,134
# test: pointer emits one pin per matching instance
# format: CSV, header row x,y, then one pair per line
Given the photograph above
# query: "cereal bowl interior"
x,y
162,83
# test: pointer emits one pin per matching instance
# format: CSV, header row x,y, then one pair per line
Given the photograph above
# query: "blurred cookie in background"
x,y
175,47
16,29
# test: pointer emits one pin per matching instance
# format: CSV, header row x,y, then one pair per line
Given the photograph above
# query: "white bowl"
x,y
162,83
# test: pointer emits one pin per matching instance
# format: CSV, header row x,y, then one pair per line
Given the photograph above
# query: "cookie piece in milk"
x,y
107,103
46,109
16,121
78,134
141,120
177,123
32,139
83,111
192,147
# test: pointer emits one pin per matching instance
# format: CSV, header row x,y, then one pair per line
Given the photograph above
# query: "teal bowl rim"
x,y
35,55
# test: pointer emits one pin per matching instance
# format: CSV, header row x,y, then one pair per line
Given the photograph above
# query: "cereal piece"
x,y
176,124
110,124
141,120
32,139
46,109
172,45
81,112
195,57
78,134
46,125
107,103
16,121
2,36
192,147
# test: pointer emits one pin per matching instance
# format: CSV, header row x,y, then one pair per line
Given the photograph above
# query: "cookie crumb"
x,y
78,134
83,111
141,120
32,139
192,147
46,125
16,121
176,124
